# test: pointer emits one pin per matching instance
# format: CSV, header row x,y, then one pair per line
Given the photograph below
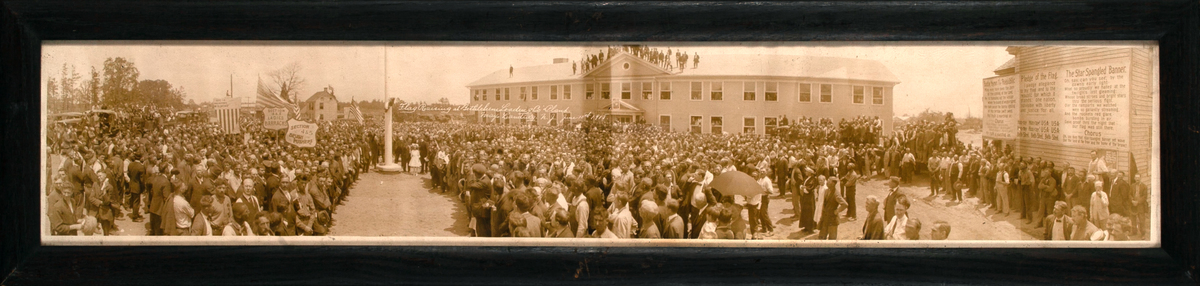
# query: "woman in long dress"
x,y
414,160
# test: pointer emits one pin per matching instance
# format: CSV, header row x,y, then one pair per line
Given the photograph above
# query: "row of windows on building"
x,y
716,124
551,118
750,92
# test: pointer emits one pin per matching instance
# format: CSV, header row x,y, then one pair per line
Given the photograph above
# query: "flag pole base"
x,y
388,168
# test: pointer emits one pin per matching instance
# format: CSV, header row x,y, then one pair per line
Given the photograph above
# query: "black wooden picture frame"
x,y
26,24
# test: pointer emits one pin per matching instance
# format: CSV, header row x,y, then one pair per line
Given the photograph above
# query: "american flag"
x,y
355,113
268,99
227,116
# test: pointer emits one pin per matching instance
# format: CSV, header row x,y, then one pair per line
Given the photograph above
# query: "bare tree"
x,y
287,81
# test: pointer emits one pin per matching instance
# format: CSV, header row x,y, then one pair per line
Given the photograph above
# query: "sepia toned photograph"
x,y
852,144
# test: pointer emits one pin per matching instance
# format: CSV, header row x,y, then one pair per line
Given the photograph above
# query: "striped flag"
x,y
227,116
268,99
355,113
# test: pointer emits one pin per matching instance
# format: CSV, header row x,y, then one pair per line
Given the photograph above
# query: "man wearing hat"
x,y
184,165
505,203
808,200
271,180
326,185
481,203
889,203
201,224
873,225
159,188
202,187
65,214
832,205
423,153
302,196
320,198
781,170
136,171
100,202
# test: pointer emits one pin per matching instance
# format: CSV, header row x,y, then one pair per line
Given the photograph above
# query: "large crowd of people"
x,y
593,179
189,178
596,179
603,180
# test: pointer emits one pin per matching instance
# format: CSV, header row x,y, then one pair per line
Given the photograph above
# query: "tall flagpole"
x,y
389,164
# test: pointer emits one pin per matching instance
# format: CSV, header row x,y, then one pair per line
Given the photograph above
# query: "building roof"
x,y
551,72
1007,68
722,65
318,95
790,66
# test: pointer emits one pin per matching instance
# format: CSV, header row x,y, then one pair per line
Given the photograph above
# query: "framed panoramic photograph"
x,y
769,144
600,143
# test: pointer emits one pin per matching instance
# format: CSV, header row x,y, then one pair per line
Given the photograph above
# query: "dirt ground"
x,y
399,205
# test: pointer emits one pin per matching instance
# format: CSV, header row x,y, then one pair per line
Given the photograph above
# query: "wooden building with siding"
x,y
1062,102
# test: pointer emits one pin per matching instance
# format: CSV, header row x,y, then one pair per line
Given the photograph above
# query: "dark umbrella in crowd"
x,y
737,183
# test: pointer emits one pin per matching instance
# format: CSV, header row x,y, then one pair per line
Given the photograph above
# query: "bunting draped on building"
x,y
267,99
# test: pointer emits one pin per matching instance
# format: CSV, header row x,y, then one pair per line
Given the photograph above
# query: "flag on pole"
x,y
355,113
267,99
227,115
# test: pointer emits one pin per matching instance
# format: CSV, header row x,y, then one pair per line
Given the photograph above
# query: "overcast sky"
x,y
941,77
204,70
938,76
